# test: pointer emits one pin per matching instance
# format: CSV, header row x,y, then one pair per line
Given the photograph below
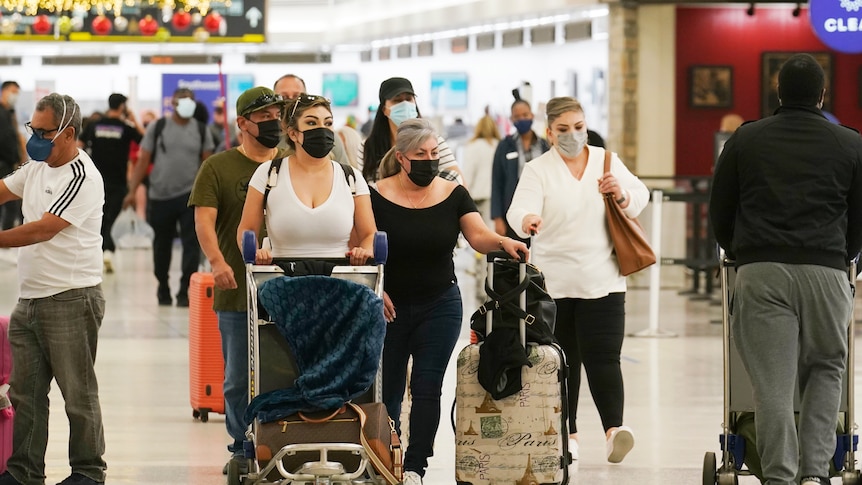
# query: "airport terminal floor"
x,y
673,391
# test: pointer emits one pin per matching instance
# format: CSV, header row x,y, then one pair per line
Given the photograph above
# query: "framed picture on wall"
x,y
859,83
771,65
711,86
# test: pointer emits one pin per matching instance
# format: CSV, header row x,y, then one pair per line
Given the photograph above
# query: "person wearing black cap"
x,y
397,104
107,140
786,205
218,197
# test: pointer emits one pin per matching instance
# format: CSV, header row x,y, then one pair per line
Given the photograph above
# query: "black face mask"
x,y
318,142
268,133
422,172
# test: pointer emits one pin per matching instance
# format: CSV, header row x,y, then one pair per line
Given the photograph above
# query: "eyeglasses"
x,y
262,100
38,131
305,99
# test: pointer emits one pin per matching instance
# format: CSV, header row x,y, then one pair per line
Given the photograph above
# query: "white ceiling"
x,y
336,22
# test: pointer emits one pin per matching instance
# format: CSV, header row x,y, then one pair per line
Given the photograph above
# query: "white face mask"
x,y
12,99
186,107
571,143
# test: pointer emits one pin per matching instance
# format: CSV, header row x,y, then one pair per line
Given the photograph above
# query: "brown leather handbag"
x,y
629,239
365,424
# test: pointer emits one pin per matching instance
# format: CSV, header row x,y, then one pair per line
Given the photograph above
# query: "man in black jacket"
x,y
786,204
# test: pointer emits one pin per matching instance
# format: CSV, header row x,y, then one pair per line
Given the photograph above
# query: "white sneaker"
x,y
411,478
573,448
621,441
108,260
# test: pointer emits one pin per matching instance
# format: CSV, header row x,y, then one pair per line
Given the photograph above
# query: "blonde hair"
x,y
486,129
410,136
563,104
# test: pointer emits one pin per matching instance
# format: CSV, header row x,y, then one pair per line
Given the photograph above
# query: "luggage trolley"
x,y
738,400
272,366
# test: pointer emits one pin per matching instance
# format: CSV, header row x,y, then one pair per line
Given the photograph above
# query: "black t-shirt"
x,y
108,141
10,148
421,242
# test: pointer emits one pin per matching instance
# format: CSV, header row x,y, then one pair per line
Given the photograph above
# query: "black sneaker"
x,y
7,479
78,479
164,295
183,300
812,480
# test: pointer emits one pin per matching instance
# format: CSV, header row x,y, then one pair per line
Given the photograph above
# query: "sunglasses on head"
x,y
260,101
305,99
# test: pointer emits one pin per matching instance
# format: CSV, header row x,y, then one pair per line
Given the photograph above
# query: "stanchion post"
x,y
653,329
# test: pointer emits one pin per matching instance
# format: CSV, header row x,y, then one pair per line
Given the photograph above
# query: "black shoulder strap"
x,y
349,176
202,127
157,133
271,180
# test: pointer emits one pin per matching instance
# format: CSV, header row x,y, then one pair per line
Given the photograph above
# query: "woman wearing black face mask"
x,y
423,215
311,208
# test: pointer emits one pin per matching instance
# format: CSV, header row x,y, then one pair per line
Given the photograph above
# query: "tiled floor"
x,y
673,392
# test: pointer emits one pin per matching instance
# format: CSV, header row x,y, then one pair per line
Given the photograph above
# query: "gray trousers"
x,y
790,324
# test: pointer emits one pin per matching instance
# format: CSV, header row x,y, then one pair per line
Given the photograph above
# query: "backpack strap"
x,y
349,176
271,180
160,127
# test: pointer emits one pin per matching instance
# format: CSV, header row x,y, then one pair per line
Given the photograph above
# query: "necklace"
x,y
415,206
272,152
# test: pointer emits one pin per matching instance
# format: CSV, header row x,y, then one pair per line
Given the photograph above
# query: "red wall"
x,y
728,36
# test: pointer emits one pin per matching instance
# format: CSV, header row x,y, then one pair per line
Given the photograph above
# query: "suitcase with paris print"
x,y
511,409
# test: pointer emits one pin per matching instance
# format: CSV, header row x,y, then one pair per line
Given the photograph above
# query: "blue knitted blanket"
x,y
335,329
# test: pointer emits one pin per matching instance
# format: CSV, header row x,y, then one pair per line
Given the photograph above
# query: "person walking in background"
x,y
177,152
108,142
352,141
479,163
560,199
54,328
423,216
786,205
218,197
512,154
10,149
398,104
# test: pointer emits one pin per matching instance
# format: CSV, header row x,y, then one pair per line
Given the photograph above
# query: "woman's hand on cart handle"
x,y
263,256
359,256
515,248
388,308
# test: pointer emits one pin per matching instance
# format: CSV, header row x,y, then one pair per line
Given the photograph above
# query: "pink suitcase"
x,y
6,412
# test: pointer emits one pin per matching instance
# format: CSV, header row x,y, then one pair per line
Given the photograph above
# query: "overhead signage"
x,y
140,21
838,23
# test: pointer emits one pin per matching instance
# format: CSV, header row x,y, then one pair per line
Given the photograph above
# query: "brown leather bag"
x,y
630,243
349,424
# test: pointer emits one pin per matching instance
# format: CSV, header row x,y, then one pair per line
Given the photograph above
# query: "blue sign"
x,y
838,23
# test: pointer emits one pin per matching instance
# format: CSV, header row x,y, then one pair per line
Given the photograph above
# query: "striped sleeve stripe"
x,y
71,191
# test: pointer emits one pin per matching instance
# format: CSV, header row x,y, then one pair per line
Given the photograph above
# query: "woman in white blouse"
x,y
559,198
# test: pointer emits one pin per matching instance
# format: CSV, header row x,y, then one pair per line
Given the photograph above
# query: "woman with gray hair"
x,y
423,215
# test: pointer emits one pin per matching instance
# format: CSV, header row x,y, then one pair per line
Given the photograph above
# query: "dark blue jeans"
x,y
233,327
428,331
55,338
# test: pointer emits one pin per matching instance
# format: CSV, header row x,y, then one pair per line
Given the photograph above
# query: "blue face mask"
x,y
38,148
523,126
402,112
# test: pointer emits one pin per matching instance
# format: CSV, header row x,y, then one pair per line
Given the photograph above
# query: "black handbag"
x,y
541,310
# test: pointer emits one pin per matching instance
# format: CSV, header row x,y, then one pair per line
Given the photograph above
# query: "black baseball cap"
x,y
393,87
116,100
